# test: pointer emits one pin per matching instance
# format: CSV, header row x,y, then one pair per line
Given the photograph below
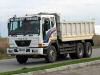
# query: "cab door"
x,y
45,28
47,25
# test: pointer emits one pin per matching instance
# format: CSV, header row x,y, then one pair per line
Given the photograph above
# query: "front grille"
x,y
23,43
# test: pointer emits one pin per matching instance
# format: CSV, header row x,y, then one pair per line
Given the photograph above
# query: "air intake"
x,y
23,43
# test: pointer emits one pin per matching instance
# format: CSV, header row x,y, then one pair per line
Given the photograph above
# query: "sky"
x,y
67,9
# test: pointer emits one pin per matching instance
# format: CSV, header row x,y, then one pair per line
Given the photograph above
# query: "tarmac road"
x,y
11,64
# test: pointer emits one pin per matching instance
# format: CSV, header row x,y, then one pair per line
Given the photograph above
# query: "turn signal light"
x,y
41,45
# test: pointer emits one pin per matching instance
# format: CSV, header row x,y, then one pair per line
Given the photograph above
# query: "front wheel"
x,y
51,54
21,59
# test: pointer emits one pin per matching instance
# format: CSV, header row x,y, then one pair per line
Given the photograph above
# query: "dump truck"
x,y
44,35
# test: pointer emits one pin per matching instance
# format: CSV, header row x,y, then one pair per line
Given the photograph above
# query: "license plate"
x,y
21,50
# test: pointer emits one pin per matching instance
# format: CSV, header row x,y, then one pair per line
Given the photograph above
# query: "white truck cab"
x,y
30,34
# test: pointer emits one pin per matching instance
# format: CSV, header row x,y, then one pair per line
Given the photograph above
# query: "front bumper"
x,y
25,51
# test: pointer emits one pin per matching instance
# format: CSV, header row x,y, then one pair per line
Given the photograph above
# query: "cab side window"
x,y
47,24
52,21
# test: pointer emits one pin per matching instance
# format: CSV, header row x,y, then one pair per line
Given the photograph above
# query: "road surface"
x,y
11,64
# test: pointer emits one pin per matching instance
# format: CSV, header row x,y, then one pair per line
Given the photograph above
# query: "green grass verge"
x,y
5,56
51,65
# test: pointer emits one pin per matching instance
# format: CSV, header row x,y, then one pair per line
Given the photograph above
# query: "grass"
x,y
3,54
96,40
51,65
3,46
5,57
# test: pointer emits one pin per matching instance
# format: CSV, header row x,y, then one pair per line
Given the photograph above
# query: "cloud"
x,y
68,9
97,29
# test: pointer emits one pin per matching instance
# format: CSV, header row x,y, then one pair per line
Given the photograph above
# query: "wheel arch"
x,y
91,41
52,43
56,46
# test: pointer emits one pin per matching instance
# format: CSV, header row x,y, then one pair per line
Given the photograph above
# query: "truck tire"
x,y
79,51
87,49
51,54
21,59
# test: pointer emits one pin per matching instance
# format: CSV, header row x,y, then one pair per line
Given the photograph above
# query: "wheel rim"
x,y
89,51
80,51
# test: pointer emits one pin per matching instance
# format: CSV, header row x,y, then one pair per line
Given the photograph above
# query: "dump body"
x,y
71,31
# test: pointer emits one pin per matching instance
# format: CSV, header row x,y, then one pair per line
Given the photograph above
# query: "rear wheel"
x,y
79,51
21,59
88,49
51,54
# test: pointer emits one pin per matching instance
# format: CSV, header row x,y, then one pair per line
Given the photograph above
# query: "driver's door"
x,y
46,25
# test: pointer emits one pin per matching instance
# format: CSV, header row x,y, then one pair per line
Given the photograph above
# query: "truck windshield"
x,y
21,27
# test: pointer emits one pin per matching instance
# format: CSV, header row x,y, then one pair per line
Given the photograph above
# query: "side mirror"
x,y
8,26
